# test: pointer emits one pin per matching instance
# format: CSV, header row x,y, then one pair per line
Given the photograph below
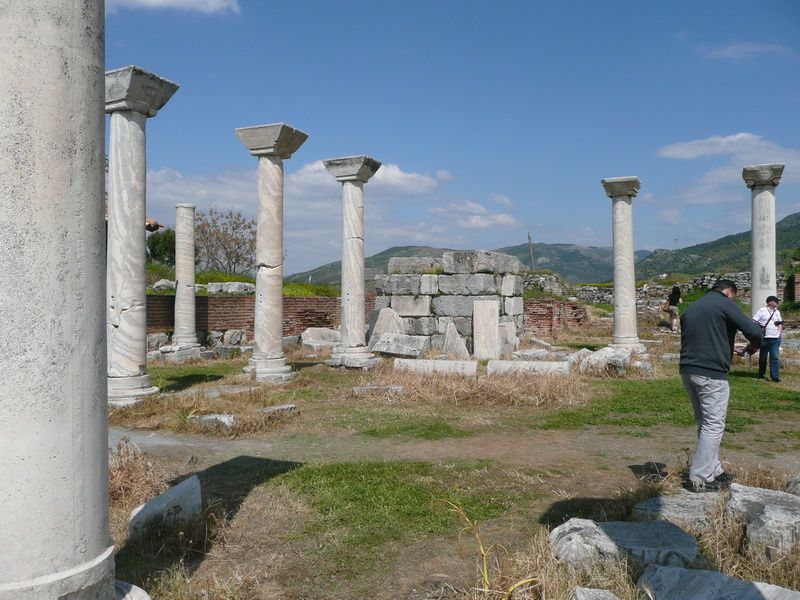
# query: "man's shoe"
x,y
699,486
725,479
776,379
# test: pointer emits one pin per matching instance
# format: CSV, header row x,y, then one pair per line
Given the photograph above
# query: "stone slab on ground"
x,y
467,368
279,409
127,591
215,391
179,504
367,390
453,345
216,419
576,358
676,583
502,367
531,354
581,541
226,351
682,508
616,358
316,338
537,343
671,358
772,517
400,344
583,593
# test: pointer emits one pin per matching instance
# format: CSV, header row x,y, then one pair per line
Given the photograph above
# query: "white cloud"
x,y
723,183
460,207
482,222
205,6
670,215
742,51
502,200
443,175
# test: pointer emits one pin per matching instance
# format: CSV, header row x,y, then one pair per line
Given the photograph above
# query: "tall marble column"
x,y
762,181
132,95
271,144
54,536
353,172
622,190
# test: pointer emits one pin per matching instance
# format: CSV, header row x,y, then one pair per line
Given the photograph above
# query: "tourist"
x,y
674,300
708,328
769,318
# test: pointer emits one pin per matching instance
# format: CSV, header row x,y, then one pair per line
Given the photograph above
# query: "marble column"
x,y
54,535
132,96
622,190
762,181
271,144
353,172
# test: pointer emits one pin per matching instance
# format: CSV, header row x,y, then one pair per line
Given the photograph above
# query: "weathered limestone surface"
x,y
793,487
469,285
576,358
480,262
463,324
353,172
508,338
223,420
453,344
420,325
315,338
429,284
127,591
682,508
388,322
773,518
511,285
582,593
486,331
502,367
622,190
609,358
179,504
531,354
398,284
54,535
762,181
676,583
271,144
411,306
458,306
132,95
414,264
185,332
399,344
367,390
468,368
513,306
580,541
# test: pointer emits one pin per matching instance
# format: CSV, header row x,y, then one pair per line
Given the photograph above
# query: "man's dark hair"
x,y
725,284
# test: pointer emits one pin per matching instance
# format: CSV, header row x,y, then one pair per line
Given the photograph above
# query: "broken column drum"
x,y
185,322
353,172
271,144
622,190
762,181
54,530
132,96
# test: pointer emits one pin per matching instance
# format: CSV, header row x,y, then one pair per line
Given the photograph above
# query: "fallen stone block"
x,y
163,284
676,583
179,504
793,487
388,321
683,508
419,325
576,358
504,367
316,338
234,337
671,358
468,368
608,359
400,344
231,287
156,340
531,354
127,591
368,390
581,541
582,593
291,341
226,351
644,367
772,519
278,410
537,343
216,419
453,345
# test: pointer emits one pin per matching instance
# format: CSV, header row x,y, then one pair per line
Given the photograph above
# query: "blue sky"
x,y
491,119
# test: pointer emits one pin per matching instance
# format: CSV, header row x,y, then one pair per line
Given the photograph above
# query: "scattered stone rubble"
x,y
178,505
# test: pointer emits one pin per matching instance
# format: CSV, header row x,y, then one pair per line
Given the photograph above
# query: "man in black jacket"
x,y
708,328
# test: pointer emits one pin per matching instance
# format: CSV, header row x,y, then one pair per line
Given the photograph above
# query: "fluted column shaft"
x,y
268,321
625,330
54,535
353,333
185,322
126,277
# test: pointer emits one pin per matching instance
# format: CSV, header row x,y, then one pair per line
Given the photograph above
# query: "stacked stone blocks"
x,y
429,293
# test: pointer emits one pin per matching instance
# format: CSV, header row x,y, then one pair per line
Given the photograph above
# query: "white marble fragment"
x,y
179,504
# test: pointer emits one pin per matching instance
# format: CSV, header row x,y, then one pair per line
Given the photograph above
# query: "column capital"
x,y
621,186
275,139
352,168
762,175
133,88
186,205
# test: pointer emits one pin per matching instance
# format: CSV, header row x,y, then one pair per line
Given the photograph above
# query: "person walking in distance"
x,y
769,319
673,300
708,328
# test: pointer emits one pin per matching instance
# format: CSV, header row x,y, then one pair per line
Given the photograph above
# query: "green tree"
x,y
161,247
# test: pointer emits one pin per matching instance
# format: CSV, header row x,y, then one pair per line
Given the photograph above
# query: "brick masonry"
x,y
544,316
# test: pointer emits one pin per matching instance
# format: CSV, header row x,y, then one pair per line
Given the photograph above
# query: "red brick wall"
x,y
544,316
217,313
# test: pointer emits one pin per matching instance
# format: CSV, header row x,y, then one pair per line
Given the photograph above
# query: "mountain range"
x,y
585,264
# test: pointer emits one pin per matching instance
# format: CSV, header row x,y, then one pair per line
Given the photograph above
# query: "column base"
x,y
89,581
633,344
127,591
178,353
125,391
269,370
357,357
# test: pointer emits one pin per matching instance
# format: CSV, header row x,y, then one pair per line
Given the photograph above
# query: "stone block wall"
x,y
427,301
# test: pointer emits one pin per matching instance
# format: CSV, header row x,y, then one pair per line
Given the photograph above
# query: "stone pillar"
x,y
762,181
54,536
622,190
271,144
353,172
132,95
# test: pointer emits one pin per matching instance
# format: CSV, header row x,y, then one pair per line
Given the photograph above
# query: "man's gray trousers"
x,y
710,402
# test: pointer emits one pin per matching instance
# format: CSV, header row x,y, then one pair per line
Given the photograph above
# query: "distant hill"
x,y
574,263
727,254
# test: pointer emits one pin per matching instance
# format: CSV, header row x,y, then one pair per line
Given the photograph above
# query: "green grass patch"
x,y
535,292
172,378
426,428
579,345
295,288
646,403
211,276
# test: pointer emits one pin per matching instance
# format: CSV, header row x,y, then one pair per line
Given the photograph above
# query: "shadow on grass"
x,y
182,382
225,486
